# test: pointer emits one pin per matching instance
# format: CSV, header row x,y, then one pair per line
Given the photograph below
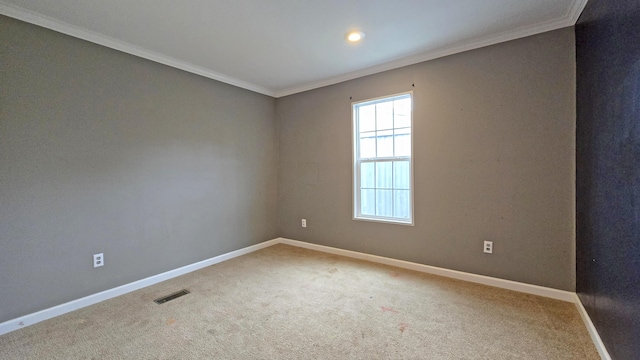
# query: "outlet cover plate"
x,y
98,260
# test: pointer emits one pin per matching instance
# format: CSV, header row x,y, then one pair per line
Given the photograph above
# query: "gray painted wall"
x,y
101,151
494,148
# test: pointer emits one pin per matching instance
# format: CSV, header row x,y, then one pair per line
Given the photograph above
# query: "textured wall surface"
x,y
608,171
494,159
101,151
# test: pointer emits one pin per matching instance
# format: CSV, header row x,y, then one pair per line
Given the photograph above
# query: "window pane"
x,y
384,175
368,145
402,141
385,143
367,175
368,202
384,115
402,112
367,118
401,175
384,202
401,203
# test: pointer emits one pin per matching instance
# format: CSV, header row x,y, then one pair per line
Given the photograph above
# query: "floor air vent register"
x,y
170,297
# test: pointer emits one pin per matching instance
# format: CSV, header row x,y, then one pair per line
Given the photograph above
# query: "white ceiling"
x,y
281,47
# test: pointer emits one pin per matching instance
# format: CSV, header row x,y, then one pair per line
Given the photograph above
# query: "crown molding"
x,y
80,33
575,10
569,19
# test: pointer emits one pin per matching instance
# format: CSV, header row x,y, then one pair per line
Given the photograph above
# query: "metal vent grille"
x,y
170,297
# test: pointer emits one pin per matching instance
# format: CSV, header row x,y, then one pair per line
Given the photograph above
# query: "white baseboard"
x,y
595,337
480,279
58,310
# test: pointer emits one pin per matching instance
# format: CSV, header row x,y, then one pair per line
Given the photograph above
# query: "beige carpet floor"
x,y
290,303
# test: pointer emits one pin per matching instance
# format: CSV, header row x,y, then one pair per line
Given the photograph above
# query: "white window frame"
x,y
357,161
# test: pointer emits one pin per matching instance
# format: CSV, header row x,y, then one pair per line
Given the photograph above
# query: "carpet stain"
x,y
402,327
354,340
333,270
171,321
395,274
211,332
265,304
389,309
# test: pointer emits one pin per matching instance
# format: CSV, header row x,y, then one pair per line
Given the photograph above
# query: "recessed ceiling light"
x,y
354,36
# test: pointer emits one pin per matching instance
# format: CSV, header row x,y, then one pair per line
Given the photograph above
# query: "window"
x,y
383,169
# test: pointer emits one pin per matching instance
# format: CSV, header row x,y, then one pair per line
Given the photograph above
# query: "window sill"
x,y
384,220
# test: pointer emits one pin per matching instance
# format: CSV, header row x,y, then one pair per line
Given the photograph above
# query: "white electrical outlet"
x,y
304,222
98,260
488,247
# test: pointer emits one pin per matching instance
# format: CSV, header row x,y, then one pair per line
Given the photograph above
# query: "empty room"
x,y
295,179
